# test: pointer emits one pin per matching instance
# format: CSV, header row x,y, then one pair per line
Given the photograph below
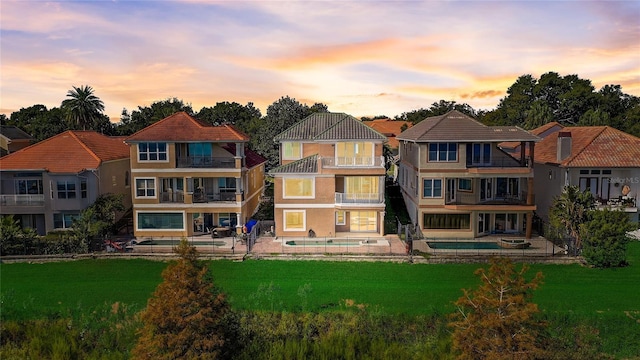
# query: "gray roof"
x,y
308,165
330,126
458,127
14,133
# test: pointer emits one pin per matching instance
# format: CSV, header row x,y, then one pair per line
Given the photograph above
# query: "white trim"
x,y
305,206
202,206
135,188
304,219
184,219
344,217
189,170
166,152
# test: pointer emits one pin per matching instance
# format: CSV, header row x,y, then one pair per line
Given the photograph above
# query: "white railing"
x,y
22,200
365,161
347,198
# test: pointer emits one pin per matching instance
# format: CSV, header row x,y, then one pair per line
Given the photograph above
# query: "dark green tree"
x,y
147,115
498,320
570,210
605,238
244,117
39,122
185,318
538,115
83,107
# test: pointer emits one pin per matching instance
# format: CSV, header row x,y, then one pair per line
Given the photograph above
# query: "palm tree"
x,y
82,106
570,210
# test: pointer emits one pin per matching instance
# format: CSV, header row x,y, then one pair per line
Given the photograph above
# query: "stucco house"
x,y
601,159
458,184
191,178
331,178
46,185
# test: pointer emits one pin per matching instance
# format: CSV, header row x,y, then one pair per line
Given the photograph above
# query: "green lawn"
x,y
33,289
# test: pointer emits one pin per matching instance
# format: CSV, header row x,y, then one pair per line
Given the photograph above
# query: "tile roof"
x,y
181,127
592,146
389,128
14,133
330,126
541,131
456,126
308,165
69,152
252,157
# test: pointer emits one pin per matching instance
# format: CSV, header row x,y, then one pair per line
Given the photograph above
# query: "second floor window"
x,y
481,153
66,190
298,188
145,188
443,152
31,187
432,188
291,150
152,151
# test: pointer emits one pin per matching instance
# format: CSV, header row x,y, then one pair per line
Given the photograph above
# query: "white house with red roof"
x,y
191,178
46,185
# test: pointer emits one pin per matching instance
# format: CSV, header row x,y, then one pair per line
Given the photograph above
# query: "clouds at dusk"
x,y
359,57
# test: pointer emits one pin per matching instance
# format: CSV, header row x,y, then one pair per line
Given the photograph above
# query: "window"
x,y
443,152
432,188
446,221
464,184
83,188
172,221
298,188
294,220
126,178
589,183
362,187
340,218
66,190
481,153
31,187
354,153
227,220
64,220
291,150
145,188
152,151
227,184
365,221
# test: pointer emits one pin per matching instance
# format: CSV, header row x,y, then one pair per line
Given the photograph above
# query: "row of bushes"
x,y
355,333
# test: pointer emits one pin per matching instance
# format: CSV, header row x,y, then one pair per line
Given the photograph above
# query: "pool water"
x,y
463,245
177,242
322,243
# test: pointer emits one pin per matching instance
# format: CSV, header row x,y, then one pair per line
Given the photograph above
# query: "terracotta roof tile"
x,y
592,146
456,126
181,127
68,152
389,128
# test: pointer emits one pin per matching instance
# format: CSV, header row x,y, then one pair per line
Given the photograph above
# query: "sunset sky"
x,y
364,58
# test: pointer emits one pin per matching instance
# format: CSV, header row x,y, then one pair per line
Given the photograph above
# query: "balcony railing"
x,y
499,163
206,162
501,199
22,200
213,197
347,198
623,202
365,161
172,197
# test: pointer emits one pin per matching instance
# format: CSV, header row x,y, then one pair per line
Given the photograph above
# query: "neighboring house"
x,y
190,178
13,139
391,129
46,185
457,182
601,159
331,178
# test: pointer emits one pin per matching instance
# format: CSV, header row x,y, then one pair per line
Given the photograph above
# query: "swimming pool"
x,y
177,242
463,245
323,243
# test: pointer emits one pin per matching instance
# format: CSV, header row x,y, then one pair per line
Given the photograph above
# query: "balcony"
x,y
473,199
347,198
498,163
206,162
200,197
624,203
365,161
22,200
172,197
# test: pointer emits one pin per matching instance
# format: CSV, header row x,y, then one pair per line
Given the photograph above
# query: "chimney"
x,y
564,145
